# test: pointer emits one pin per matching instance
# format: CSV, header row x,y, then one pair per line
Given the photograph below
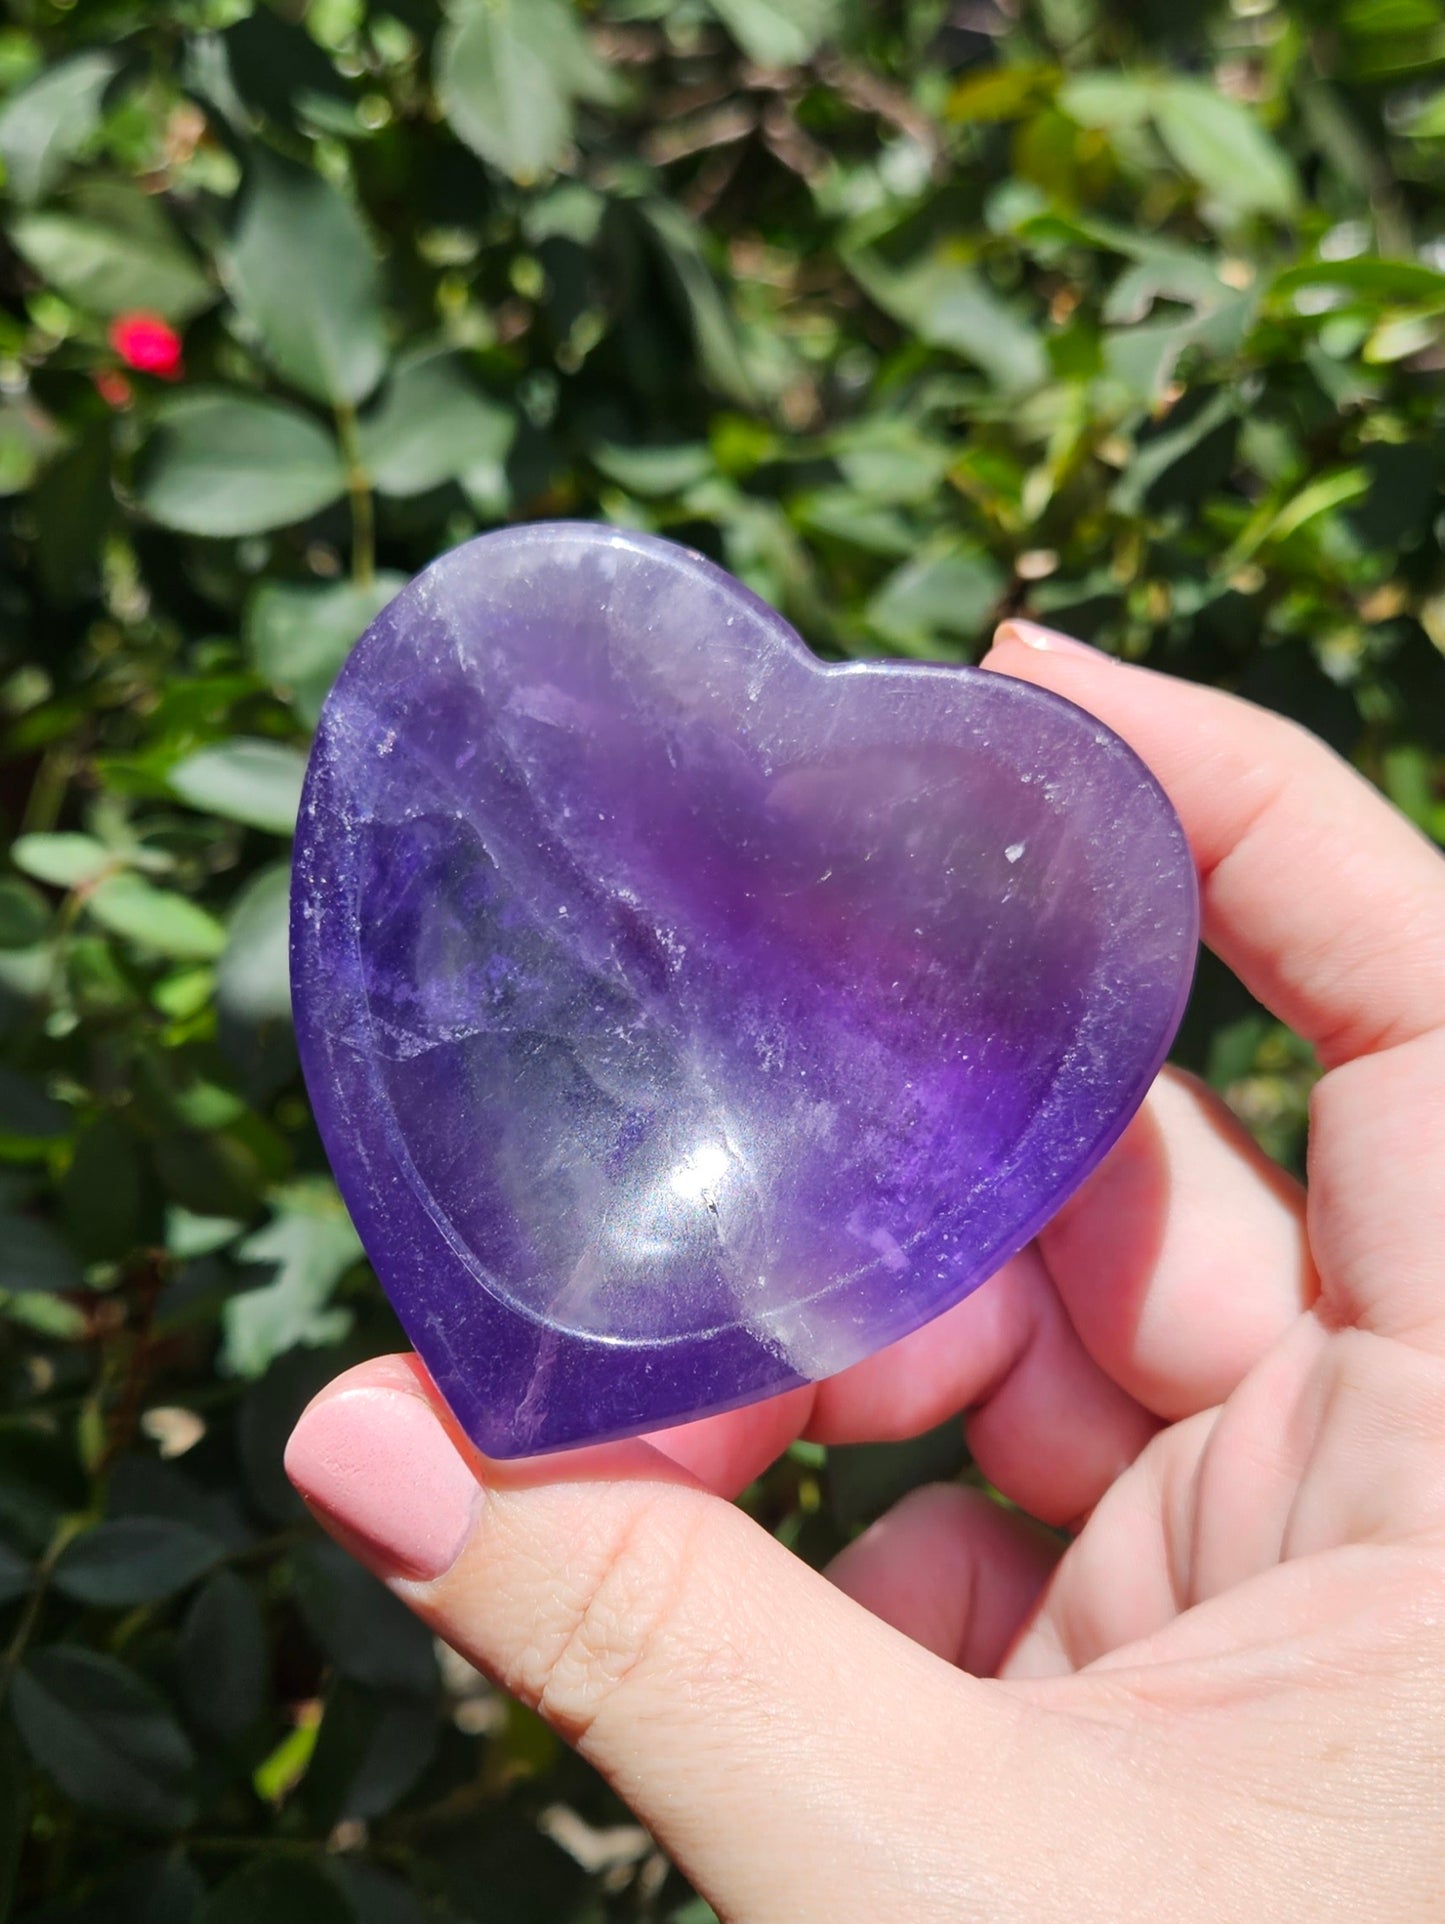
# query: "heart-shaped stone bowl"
x,y
686,1018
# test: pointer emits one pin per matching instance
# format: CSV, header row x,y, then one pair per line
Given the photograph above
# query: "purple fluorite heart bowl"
x,y
686,1018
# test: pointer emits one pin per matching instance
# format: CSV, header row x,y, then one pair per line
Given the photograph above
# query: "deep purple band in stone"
x,y
685,1018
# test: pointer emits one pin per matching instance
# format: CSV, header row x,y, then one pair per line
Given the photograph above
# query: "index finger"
x,y
1328,905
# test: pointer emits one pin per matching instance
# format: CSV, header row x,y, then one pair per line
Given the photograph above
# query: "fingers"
x,y
1377,1198
1327,904
724,1453
1125,1576
743,1706
1046,1425
1176,1267
1184,1257
952,1570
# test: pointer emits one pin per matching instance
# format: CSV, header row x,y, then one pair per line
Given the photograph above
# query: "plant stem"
x,y
47,793
25,1629
358,488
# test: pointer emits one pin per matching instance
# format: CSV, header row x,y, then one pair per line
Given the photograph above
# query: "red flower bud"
x,y
147,343
112,387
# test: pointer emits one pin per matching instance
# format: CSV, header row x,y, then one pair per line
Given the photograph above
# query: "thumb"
x,y
767,1730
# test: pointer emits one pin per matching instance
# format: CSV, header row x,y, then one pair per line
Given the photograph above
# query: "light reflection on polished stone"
x,y
684,1018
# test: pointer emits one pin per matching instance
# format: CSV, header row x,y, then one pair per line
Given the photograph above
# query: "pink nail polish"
x,y
379,1464
1048,640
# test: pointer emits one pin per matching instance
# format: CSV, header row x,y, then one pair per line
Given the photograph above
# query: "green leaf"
x,y
1378,282
369,1634
107,1740
1319,497
278,1890
653,471
372,1747
842,515
28,438
224,1662
889,460
714,327
777,33
253,982
376,1897
34,1259
302,272
1170,447
311,1244
115,250
432,425
950,594
1428,120
1107,100
64,861
246,779
298,634
950,305
1224,147
231,464
507,72
155,919
49,1317
132,1560
24,916
49,121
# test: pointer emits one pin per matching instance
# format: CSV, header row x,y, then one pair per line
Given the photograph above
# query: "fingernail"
x,y
378,1463
1048,640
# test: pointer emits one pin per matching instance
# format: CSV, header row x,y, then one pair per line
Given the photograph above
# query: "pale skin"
x,y
1226,1698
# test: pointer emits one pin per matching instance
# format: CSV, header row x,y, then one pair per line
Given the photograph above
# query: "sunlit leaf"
x,y
507,73
949,304
253,981
303,273
714,327
432,425
113,249
230,464
50,120
309,1245
1108,100
299,633
155,918
1225,148
65,861
777,33
244,780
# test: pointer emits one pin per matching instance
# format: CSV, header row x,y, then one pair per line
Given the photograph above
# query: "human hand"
x,y
1227,1698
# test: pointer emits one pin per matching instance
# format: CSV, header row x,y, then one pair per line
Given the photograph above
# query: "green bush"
x,y
916,315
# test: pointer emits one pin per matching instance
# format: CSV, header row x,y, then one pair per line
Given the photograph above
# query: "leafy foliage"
x,y
915,315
